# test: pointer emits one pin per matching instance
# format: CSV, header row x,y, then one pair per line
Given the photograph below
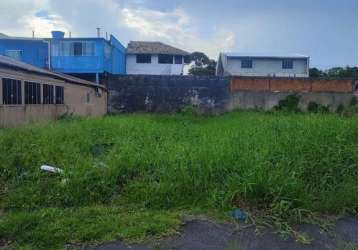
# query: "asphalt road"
x,y
202,234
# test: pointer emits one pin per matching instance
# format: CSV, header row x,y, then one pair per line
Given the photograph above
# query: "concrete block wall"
x,y
148,93
291,84
265,93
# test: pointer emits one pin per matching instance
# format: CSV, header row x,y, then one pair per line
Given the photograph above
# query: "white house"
x,y
155,58
237,64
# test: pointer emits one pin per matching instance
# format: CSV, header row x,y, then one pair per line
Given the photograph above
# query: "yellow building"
x,y
29,94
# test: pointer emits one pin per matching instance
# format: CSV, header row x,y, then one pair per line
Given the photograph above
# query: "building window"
x,y
165,59
77,49
16,54
246,63
144,58
107,51
88,98
32,93
178,59
59,95
11,90
187,59
287,64
47,93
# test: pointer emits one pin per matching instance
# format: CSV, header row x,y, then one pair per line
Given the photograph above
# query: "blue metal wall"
x,y
100,62
34,52
109,56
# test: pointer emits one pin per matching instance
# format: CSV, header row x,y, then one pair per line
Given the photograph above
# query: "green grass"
x,y
131,176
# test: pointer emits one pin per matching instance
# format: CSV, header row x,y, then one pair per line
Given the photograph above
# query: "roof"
x,y
6,37
10,62
137,47
262,55
2,35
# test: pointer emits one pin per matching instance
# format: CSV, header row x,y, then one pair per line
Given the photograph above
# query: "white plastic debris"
x,y
51,169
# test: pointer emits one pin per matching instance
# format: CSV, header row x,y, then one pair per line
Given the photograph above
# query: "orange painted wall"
x,y
291,85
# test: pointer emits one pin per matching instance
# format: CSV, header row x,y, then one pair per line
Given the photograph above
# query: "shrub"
x,y
289,104
314,107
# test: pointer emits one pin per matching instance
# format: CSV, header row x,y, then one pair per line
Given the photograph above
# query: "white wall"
x,y
266,67
154,68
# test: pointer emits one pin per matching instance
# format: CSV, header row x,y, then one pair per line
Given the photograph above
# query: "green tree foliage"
x,y
314,72
336,72
203,65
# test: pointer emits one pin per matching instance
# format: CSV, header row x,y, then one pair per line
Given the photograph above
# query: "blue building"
x,y
87,58
31,51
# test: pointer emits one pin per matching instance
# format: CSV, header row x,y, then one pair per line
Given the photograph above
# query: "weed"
x,y
123,175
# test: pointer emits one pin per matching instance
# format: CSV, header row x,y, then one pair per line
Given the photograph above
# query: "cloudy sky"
x,y
326,30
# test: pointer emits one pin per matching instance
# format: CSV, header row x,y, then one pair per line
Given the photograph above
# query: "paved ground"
x,y
201,234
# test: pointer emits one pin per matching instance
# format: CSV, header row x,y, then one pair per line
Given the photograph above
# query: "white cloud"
x,y
18,18
129,22
177,29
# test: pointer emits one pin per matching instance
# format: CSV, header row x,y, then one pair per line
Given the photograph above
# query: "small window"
x,y
32,93
144,58
178,59
16,54
48,97
287,64
88,98
246,63
11,90
165,59
59,95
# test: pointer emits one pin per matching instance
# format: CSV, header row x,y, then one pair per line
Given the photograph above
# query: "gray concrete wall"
x,y
268,100
167,93
219,94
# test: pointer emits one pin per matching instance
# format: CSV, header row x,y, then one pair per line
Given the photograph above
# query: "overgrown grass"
x,y
122,172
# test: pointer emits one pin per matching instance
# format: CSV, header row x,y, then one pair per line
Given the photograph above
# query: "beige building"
x,y
30,94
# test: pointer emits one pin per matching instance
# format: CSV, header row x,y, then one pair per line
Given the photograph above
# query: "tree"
x,y
314,72
335,72
347,72
203,65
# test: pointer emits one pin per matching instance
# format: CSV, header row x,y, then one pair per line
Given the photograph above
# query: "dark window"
x,y
144,58
287,64
77,49
246,63
32,93
11,90
47,94
187,59
59,95
178,59
165,59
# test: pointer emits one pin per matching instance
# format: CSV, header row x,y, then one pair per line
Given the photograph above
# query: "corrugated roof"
x,y
10,62
263,55
138,47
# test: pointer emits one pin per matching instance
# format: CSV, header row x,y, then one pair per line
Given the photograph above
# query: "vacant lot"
x,y
132,176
